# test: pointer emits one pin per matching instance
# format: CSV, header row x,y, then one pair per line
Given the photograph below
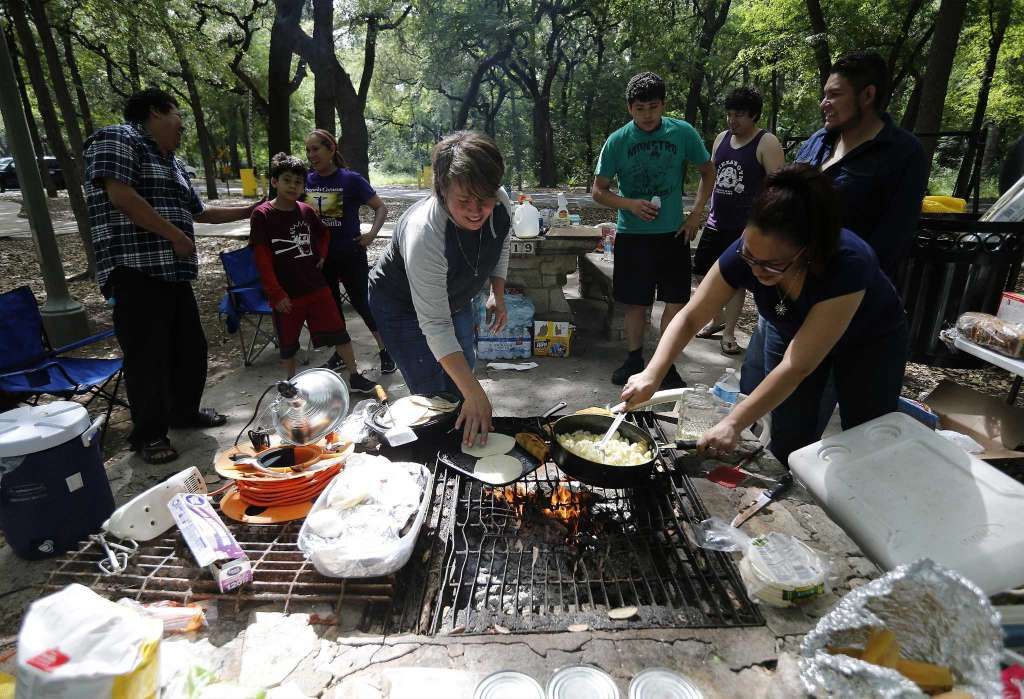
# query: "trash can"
x,y
54,490
956,264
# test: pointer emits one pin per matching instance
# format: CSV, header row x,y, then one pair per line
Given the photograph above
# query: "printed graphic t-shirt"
x,y
337,198
649,164
287,246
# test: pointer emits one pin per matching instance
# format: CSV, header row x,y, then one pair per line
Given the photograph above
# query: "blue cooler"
x,y
53,487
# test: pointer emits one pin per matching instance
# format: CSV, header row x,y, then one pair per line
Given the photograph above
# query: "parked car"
x,y
189,170
9,176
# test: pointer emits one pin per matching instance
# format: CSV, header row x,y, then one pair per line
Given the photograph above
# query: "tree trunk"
x,y
59,83
1002,20
247,132
33,128
948,24
323,87
991,145
51,125
714,19
774,126
355,138
822,54
232,123
133,69
473,89
544,141
196,103
278,76
76,77
913,105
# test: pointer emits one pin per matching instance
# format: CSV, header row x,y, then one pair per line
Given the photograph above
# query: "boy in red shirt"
x,y
289,244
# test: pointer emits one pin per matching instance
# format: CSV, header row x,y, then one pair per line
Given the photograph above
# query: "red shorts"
x,y
316,309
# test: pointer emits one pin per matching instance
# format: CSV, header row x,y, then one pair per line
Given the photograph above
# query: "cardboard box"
x,y
987,419
1011,308
510,343
212,543
919,412
552,338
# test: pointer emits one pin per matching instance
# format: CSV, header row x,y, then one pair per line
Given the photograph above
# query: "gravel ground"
x,y
18,266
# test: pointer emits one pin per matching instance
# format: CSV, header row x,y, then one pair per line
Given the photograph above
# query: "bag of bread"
x,y
75,644
991,332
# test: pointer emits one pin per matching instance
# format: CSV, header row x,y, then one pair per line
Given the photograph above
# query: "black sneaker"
x,y
335,363
672,380
631,366
387,364
357,383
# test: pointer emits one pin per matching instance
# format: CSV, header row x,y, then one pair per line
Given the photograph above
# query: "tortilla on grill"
x,y
500,468
497,443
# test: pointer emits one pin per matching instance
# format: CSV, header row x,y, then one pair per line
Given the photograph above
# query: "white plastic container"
x,y
526,220
562,213
902,492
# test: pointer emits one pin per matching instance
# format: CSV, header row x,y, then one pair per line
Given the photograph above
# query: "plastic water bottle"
x,y
607,249
727,388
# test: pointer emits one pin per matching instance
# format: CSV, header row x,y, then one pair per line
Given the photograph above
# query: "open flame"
x,y
565,506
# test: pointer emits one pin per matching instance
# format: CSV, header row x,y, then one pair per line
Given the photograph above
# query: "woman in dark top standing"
x,y
828,306
336,193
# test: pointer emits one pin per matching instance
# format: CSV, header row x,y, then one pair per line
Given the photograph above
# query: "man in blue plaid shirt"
x,y
142,208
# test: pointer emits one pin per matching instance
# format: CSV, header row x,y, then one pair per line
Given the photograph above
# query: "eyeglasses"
x,y
769,266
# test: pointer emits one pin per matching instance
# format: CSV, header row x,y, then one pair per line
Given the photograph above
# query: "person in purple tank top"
x,y
743,154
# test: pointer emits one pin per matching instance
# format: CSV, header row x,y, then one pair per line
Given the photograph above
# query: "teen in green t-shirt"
x,y
652,243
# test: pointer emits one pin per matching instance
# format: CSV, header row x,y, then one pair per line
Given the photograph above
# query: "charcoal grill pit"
x,y
510,560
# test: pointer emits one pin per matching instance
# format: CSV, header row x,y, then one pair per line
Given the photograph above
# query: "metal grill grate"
x,y
510,561
164,569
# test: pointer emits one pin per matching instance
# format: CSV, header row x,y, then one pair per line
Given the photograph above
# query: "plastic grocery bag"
x,y
75,644
777,569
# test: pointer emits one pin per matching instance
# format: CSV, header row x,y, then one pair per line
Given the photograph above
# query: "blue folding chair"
x,y
30,367
244,307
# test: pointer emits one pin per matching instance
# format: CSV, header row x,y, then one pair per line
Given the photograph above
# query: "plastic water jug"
x,y
526,220
727,388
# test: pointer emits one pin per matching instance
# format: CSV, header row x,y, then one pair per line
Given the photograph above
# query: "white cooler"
x,y
902,492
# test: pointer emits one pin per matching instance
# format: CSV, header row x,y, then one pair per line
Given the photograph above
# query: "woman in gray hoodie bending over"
x,y
444,250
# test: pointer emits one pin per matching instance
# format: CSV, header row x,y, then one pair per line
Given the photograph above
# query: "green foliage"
x,y
424,69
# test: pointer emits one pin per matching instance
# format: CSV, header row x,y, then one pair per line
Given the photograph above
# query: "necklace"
x,y
780,307
476,266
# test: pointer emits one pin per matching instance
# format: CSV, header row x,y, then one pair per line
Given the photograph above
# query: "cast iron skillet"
x,y
602,475
434,428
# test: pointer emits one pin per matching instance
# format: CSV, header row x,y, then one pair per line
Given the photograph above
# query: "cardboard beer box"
x,y
552,338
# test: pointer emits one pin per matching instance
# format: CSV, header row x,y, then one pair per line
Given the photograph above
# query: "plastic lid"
x,y
36,428
582,681
508,684
661,683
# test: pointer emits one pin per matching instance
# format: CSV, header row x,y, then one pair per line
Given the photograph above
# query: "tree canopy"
x,y
545,77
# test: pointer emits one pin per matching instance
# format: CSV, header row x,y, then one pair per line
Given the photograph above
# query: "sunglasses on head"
x,y
769,266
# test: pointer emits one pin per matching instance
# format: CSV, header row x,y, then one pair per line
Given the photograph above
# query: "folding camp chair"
x,y
30,367
244,306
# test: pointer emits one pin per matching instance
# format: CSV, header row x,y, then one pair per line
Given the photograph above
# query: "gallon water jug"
x,y
526,220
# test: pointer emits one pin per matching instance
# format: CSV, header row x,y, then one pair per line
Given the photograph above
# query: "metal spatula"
x,y
611,430
398,434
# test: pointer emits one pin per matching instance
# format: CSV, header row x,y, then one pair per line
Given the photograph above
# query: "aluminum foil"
x,y
938,616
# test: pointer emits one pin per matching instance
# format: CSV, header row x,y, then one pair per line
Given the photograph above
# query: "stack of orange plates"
x,y
261,498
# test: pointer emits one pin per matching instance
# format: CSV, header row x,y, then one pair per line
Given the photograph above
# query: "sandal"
x,y
709,331
729,345
159,451
207,417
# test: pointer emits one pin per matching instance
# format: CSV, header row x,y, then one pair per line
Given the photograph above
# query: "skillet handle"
x,y
560,405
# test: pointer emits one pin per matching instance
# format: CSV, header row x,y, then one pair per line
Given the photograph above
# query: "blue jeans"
x,y
407,345
868,378
754,371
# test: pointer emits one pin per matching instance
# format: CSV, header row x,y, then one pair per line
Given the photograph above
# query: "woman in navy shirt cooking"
x,y
829,308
